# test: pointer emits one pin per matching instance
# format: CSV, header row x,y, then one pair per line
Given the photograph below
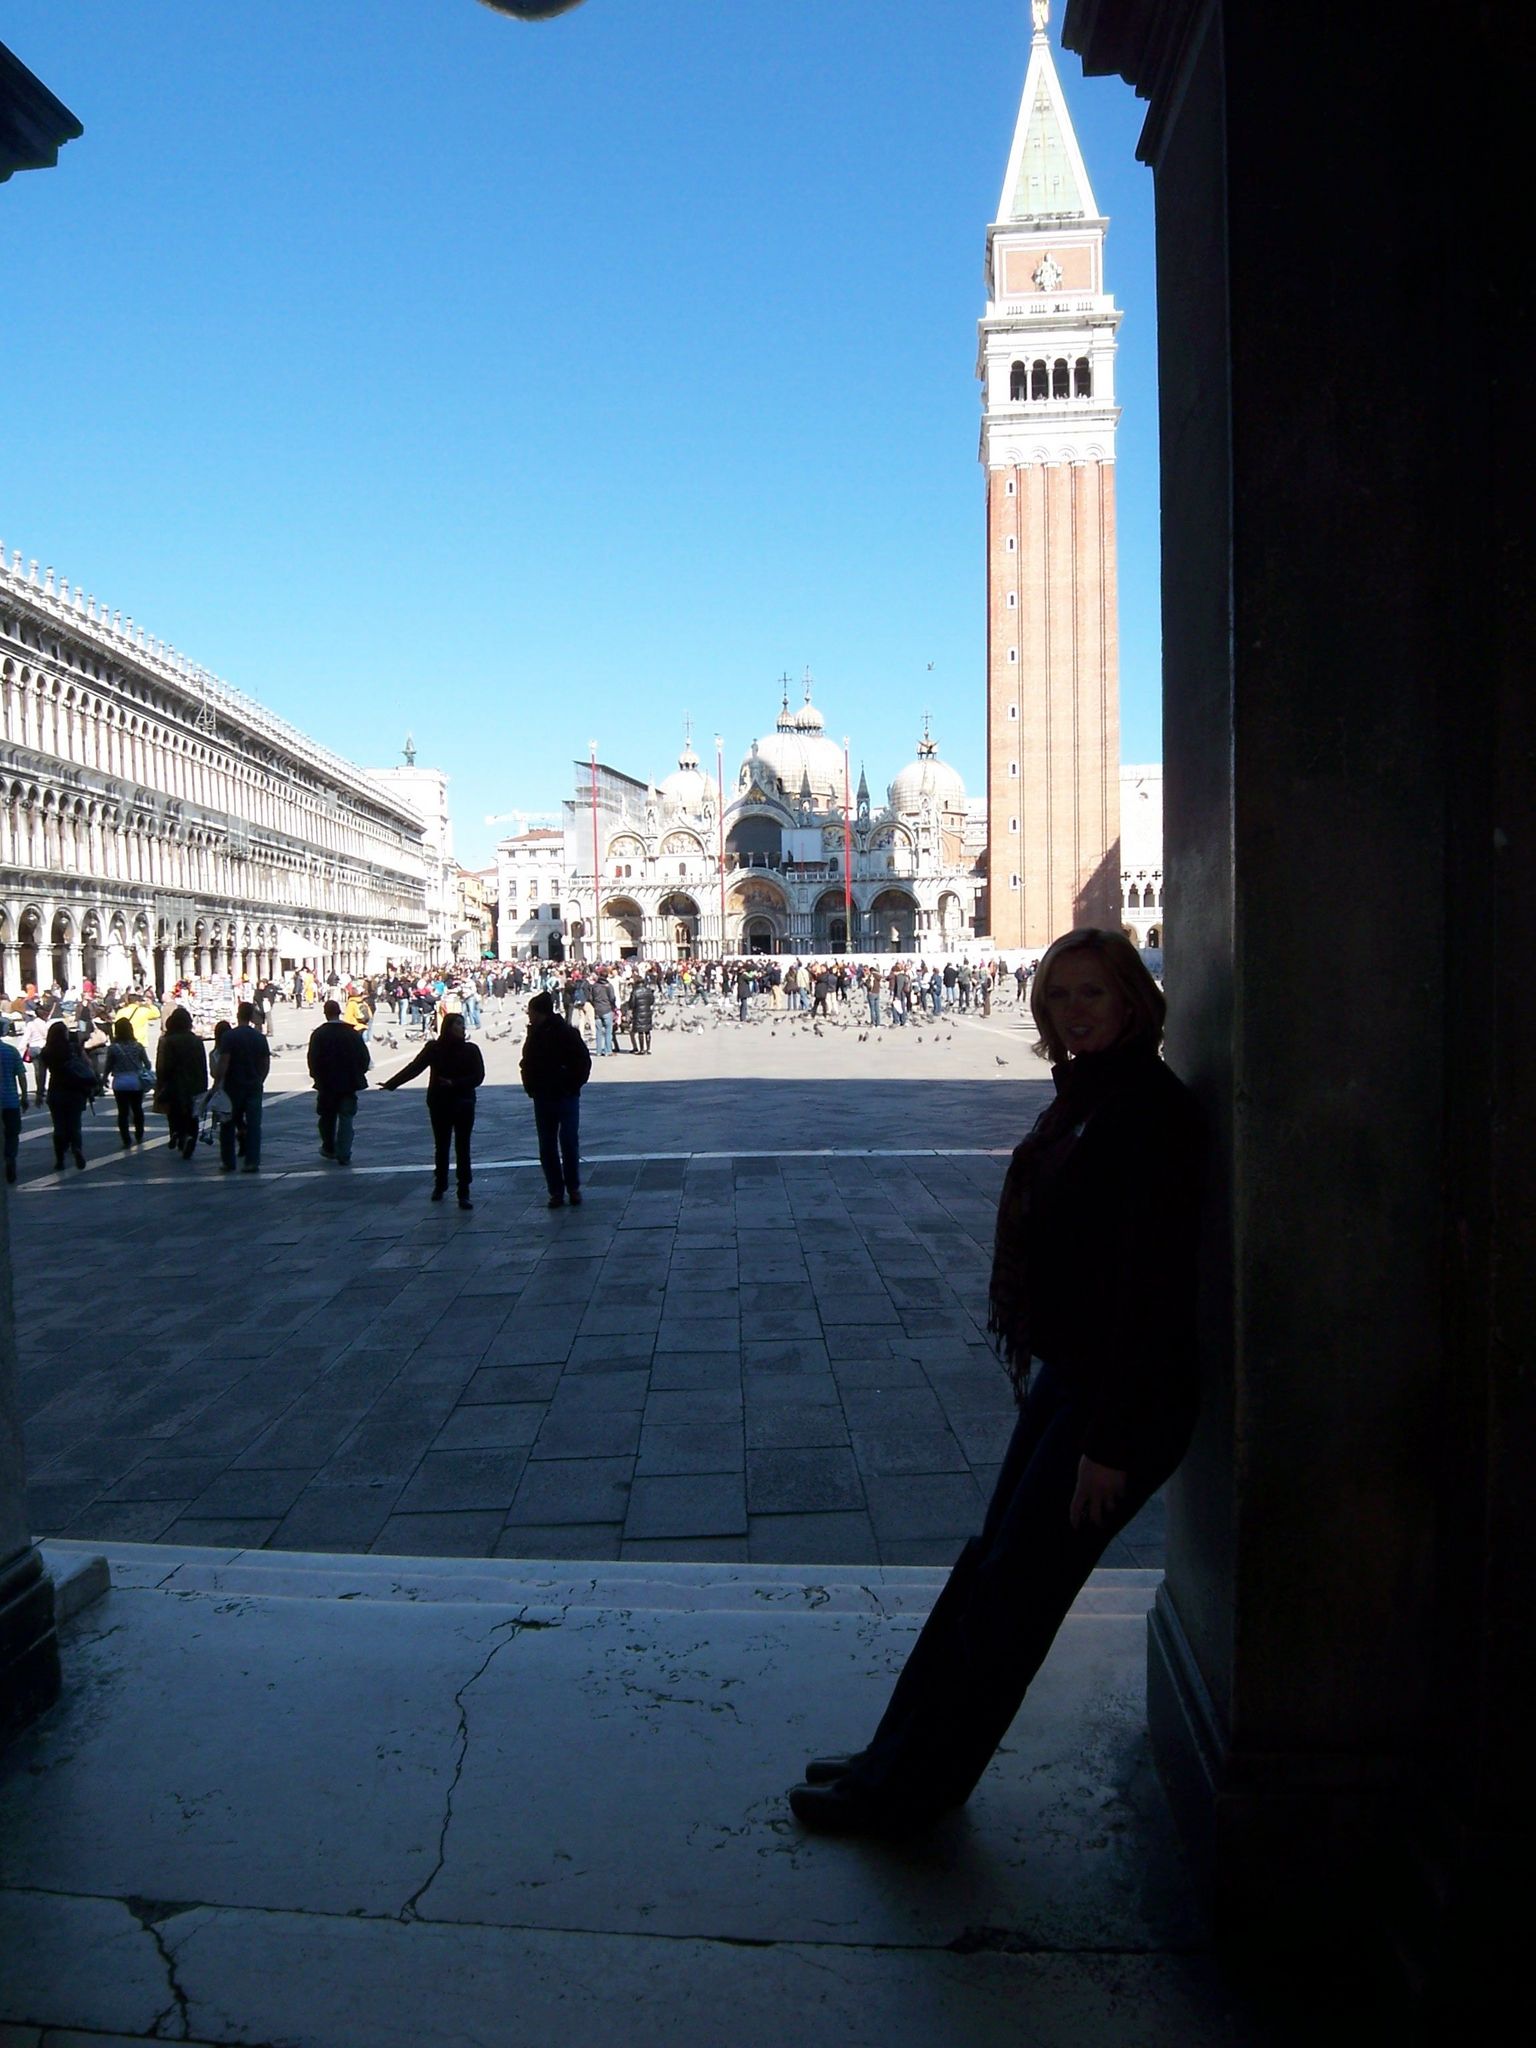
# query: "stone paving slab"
x,y
778,1276
393,1803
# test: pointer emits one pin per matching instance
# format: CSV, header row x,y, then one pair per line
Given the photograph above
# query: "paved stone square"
x,y
761,1338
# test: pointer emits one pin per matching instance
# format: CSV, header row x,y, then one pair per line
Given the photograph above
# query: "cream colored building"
x,y
474,933
156,824
424,791
530,895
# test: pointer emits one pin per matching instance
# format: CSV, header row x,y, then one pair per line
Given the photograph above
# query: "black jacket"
x,y
247,1061
1094,1269
642,1007
338,1059
454,1067
555,1060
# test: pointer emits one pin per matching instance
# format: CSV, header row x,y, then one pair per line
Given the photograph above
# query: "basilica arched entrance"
x,y
759,914
623,928
680,914
829,922
29,938
893,922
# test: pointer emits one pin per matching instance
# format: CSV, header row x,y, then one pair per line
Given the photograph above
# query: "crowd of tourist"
x,y
199,1054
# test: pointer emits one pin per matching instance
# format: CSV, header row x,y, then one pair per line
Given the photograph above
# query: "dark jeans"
x,y
12,1121
336,1114
557,1119
244,1126
65,1111
181,1122
452,1123
990,1628
130,1110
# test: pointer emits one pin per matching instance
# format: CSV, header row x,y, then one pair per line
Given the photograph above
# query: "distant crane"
x,y
523,819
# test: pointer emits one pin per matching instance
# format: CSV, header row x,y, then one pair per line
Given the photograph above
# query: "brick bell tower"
x,y
1046,362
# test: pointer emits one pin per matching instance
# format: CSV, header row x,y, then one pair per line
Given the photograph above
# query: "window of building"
x,y
1013,710
1013,654
1013,598
1013,824
1038,387
1011,487
1013,881
1082,378
1013,768
1018,378
1011,543
1059,386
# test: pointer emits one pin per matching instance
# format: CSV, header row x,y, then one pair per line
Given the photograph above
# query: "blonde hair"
x,y
1123,966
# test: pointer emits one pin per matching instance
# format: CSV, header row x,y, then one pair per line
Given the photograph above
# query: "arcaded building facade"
x,y
157,825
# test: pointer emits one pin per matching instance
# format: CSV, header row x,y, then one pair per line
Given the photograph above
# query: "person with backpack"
x,y
71,1083
555,1068
128,1073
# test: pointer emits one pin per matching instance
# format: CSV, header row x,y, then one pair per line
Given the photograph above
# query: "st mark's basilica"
x,y
770,857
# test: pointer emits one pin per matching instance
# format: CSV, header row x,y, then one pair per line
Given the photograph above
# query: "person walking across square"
x,y
240,1068
13,1100
555,1068
338,1066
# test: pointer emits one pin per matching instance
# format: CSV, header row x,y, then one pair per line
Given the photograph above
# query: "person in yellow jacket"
x,y
141,1014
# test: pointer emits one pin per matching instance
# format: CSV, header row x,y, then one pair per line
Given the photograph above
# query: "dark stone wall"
x,y
1340,1654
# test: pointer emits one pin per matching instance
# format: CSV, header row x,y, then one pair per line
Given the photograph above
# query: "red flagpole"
x,y
847,856
597,880
720,822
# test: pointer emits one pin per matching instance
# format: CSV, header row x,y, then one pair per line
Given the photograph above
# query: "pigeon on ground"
x,y
1001,1061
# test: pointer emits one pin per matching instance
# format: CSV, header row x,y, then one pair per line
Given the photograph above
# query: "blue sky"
x,y
519,385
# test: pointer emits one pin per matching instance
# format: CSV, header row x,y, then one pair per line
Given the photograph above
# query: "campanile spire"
x,y
1046,363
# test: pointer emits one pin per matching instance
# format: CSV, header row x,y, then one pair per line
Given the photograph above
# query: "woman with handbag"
x,y
70,1083
128,1074
1093,1304
181,1079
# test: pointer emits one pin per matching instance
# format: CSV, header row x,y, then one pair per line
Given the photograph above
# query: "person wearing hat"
x,y
555,1067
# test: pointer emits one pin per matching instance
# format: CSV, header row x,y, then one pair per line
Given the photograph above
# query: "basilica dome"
x,y
926,779
687,787
797,751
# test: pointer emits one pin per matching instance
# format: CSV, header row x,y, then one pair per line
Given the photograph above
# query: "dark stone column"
x,y
29,1648
1336,1658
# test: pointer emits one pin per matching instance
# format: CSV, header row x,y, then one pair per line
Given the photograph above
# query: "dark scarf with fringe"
x,y
1082,1086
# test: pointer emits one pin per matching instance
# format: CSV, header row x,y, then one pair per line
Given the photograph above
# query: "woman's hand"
x,y
1100,1490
